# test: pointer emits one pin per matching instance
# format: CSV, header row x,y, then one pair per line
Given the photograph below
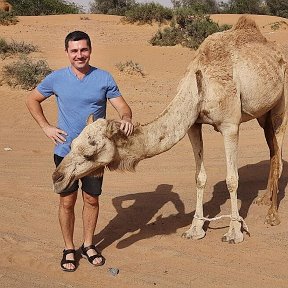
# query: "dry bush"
x,y
7,49
130,67
25,73
7,18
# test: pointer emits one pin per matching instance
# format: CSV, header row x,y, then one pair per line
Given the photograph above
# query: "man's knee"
x,y
91,200
67,202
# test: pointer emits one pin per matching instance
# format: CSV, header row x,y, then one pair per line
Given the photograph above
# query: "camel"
x,y
236,75
5,6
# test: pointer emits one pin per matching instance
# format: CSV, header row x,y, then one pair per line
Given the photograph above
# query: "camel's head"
x,y
90,152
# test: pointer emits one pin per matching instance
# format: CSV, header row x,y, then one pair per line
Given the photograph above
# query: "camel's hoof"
x,y
233,238
193,235
226,239
263,200
272,219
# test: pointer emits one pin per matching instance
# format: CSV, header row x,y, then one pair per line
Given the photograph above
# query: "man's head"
x,y
78,49
76,36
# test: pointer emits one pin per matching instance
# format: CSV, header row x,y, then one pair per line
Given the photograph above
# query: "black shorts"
x,y
90,184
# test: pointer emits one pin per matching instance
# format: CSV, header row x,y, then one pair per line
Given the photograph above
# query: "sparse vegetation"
x,y
7,49
25,73
277,25
130,67
84,18
7,18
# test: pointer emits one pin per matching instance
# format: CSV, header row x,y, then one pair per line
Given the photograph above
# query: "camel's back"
x,y
243,63
219,46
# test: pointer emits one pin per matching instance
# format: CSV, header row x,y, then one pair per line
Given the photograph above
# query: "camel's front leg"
x,y
196,230
231,134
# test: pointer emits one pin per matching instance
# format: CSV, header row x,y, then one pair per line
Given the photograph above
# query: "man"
x,y
80,90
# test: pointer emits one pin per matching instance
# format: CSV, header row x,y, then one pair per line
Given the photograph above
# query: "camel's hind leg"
x,y
196,230
274,125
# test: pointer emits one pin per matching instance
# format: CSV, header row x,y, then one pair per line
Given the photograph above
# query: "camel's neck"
x,y
170,126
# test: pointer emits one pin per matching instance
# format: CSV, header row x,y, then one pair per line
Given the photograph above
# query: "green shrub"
x,y
198,28
188,30
25,73
278,7
14,47
7,18
169,36
44,7
147,13
198,6
115,7
244,7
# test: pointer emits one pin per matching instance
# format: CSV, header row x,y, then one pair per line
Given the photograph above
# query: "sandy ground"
x,y
143,214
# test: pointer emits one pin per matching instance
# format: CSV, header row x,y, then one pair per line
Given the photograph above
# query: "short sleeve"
x,y
46,85
112,88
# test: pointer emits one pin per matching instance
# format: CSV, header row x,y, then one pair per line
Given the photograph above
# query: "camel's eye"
x,y
89,157
91,141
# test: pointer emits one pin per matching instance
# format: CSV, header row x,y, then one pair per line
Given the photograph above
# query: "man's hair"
x,y
76,36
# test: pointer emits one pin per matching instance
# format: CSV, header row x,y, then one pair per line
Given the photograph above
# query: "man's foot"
x,y
68,263
92,255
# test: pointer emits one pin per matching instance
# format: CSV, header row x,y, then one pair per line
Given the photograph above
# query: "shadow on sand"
x,y
137,217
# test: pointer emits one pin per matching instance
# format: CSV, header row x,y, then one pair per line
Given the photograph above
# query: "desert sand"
x,y
142,214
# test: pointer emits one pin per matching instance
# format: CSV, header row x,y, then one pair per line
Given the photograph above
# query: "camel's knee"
x,y
201,179
232,183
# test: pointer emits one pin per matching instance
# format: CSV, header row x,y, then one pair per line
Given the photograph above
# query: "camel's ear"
x,y
90,119
112,128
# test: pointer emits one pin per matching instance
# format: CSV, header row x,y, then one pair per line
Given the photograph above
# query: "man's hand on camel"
x,y
55,134
126,126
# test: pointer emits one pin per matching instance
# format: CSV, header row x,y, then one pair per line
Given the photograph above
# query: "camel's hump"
x,y
245,22
247,31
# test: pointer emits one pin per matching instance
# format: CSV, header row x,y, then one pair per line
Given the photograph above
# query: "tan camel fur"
x,y
5,6
235,76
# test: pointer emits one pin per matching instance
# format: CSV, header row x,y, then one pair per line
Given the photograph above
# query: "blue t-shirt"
x,y
77,99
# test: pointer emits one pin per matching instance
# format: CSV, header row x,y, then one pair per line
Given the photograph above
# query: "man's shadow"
x,y
138,215
141,210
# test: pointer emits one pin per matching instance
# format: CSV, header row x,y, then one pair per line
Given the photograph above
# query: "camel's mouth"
x,y
62,181
57,177
61,185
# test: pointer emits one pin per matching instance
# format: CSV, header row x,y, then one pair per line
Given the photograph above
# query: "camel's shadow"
x,y
145,205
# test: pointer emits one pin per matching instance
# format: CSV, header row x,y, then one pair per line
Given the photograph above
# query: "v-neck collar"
x,y
74,74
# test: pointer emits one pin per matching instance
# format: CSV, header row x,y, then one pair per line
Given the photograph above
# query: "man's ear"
x,y
112,128
90,119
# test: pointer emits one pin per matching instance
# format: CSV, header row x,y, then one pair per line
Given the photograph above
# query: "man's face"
x,y
79,53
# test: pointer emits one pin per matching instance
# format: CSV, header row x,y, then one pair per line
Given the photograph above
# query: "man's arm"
x,y
33,103
125,114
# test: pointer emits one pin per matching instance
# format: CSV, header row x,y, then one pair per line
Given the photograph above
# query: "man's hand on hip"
x,y
55,134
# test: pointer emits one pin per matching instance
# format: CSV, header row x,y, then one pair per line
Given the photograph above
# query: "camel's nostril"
x,y
56,176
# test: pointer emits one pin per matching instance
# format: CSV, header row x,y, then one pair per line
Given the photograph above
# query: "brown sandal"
x,y
93,257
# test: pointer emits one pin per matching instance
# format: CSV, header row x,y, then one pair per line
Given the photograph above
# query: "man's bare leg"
x,y
90,217
67,219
